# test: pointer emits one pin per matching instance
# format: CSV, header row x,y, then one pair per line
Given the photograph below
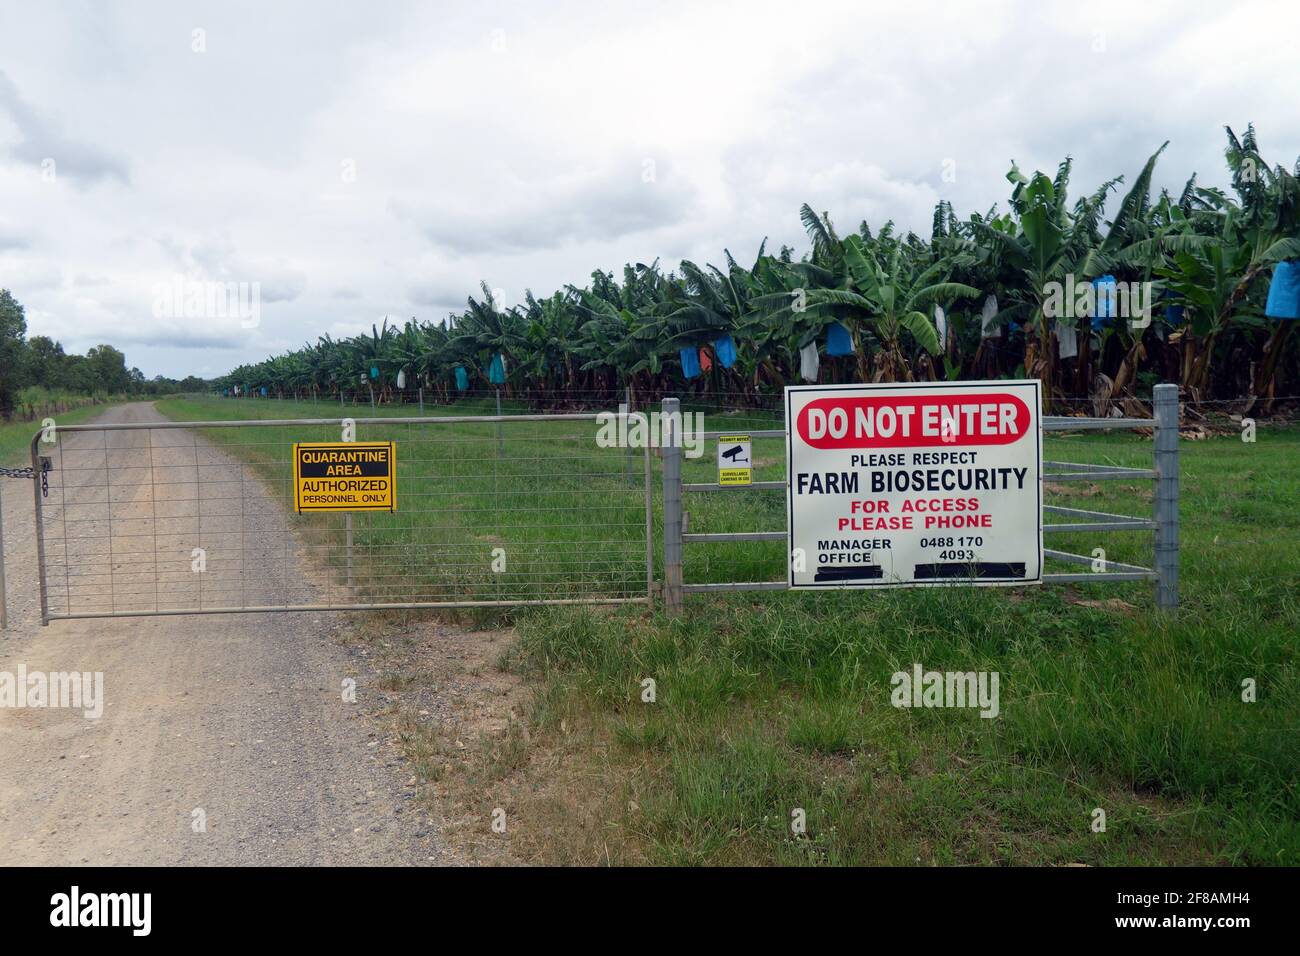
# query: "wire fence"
x,y
739,536
518,509
198,517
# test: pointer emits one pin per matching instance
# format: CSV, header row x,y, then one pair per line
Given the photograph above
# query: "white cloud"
x,y
363,162
41,144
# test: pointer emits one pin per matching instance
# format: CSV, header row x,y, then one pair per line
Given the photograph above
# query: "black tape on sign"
x,y
971,569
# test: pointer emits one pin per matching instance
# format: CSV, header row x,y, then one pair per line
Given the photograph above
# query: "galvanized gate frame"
x,y
46,616
1164,520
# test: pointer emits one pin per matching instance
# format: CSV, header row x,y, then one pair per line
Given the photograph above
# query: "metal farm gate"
x,y
171,518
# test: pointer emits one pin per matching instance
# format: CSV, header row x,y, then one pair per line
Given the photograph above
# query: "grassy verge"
x,y
773,707
36,402
16,437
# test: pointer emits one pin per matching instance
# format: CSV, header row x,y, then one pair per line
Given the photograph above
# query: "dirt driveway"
x,y
236,720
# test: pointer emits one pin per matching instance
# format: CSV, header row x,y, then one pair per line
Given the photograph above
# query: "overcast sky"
x,y
363,160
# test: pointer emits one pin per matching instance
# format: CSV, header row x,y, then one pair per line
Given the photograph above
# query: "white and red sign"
x,y
922,484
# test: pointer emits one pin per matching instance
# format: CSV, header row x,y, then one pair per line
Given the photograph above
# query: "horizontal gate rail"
x,y
285,422
1107,522
130,502
1086,466
1097,577
1164,521
1135,524
1057,423
391,606
1070,558
1101,474
736,586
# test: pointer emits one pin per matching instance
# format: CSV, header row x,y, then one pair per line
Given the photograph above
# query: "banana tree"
x,y
704,306
1132,248
373,358
1270,220
897,299
878,302
611,346
1051,243
1203,279
488,329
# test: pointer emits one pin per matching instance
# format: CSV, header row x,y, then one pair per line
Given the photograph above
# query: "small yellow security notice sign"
x,y
735,460
344,476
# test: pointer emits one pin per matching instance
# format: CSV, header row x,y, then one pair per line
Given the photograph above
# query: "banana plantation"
x,y
1209,284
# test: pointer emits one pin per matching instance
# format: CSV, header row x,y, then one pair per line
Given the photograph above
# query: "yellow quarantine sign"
x,y
344,476
735,460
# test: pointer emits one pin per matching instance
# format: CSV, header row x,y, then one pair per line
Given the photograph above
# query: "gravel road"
x,y
238,716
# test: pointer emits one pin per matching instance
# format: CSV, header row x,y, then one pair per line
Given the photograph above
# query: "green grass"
x,y
569,517
771,702
16,437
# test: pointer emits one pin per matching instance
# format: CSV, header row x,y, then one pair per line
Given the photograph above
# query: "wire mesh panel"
x,y
178,518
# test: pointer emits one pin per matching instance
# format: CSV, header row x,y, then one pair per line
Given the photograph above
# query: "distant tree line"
x,y
41,363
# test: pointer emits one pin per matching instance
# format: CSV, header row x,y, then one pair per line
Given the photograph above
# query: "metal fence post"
x,y
1166,497
4,620
671,426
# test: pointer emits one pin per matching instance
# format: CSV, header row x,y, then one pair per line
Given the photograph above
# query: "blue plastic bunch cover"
x,y
726,350
690,361
1174,312
1284,291
838,340
497,370
1107,293
462,378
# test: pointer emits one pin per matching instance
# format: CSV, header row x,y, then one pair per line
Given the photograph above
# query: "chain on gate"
x,y
30,472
